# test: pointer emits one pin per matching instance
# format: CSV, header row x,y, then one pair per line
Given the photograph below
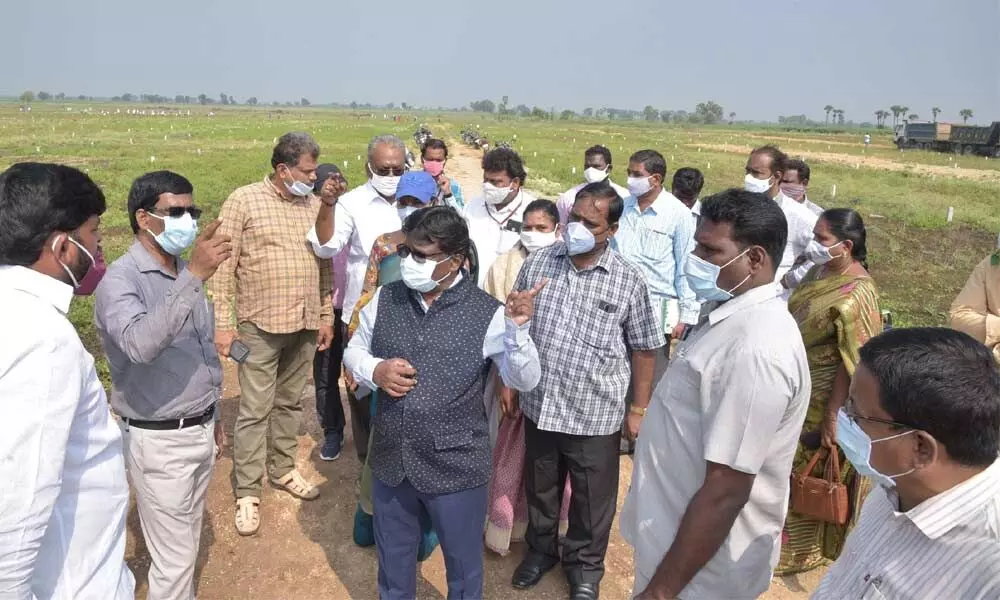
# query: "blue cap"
x,y
418,184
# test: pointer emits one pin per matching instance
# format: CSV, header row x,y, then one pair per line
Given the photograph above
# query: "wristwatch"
x,y
637,410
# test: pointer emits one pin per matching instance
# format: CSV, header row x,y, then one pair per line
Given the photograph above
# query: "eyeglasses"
x,y
403,251
389,171
853,416
176,212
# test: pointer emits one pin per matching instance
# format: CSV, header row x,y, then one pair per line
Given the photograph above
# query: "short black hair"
x,y
542,205
846,224
602,190
943,382
505,159
39,199
434,144
799,166
146,190
688,182
652,161
779,160
291,147
756,220
599,149
441,225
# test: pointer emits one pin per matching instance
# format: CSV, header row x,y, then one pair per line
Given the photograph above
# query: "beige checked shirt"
x,y
273,277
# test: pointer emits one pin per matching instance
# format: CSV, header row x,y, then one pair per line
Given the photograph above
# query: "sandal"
x,y
294,484
247,515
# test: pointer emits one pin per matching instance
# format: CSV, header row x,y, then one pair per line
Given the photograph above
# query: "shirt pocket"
x,y
657,242
597,324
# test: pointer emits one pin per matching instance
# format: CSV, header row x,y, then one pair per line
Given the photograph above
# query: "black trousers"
x,y
592,465
326,376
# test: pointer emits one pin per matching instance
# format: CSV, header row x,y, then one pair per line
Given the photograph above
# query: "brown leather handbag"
x,y
825,498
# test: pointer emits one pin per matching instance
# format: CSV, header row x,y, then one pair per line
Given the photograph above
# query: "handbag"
x,y
822,498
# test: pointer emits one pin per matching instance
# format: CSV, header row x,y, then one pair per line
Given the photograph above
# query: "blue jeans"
x,y
458,519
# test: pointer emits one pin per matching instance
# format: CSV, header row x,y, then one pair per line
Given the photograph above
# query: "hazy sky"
x,y
760,59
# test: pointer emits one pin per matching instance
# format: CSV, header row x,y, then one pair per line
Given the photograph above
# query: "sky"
x,y
757,59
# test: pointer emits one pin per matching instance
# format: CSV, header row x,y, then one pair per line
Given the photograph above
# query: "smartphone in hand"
x,y
239,352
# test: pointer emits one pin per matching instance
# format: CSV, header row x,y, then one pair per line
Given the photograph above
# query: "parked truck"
x,y
983,140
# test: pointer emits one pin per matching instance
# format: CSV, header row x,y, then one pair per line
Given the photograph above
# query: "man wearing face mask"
x,y
355,221
923,421
765,170
596,167
596,331
275,295
65,496
426,344
795,184
157,329
710,478
495,219
434,155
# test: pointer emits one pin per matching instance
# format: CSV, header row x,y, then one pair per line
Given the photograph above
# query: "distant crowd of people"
x,y
499,354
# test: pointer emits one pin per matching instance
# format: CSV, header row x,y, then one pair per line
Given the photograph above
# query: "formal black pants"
x,y
326,377
592,465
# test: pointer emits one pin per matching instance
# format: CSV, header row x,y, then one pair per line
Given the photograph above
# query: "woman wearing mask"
x,y
434,156
837,308
507,510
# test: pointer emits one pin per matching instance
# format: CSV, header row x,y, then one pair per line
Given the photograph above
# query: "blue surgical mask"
x,y
703,278
857,447
178,233
579,239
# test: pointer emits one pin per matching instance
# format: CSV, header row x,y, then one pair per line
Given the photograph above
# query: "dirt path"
x,y
870,162
304,550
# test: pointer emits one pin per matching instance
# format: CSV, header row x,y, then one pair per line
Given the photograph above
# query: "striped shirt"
x,y
946,547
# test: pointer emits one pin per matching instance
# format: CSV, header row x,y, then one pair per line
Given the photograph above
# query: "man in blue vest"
x,y
426,343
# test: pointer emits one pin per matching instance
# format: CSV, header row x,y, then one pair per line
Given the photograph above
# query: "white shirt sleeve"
x,y
805,233
41,396
513,351
358,355
343,227
744,403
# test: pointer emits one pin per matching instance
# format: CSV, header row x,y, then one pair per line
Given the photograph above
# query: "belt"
x,y
172,423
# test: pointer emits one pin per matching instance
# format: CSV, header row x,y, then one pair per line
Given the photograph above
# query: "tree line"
x,y
705,113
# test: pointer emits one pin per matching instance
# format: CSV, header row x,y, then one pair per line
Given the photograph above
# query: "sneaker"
x,y
332,446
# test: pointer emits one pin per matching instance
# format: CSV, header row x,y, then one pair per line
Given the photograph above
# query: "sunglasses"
x,y
176,212
404,251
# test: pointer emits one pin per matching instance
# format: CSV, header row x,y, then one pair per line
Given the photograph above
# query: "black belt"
x,y
172,423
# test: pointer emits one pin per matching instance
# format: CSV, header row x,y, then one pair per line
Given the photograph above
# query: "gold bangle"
x,y
637,410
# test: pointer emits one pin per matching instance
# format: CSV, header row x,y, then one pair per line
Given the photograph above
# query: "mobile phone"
x,y
239,352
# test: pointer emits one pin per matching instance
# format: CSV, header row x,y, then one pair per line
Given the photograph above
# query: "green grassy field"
x,y
919,261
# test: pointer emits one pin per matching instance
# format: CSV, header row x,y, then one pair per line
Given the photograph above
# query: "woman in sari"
x,y
507,511
837,308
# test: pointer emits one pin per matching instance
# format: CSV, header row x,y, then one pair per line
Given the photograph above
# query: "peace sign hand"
x,y
520,306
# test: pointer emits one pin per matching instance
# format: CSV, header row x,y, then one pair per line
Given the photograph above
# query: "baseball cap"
x,y
418,184
323,172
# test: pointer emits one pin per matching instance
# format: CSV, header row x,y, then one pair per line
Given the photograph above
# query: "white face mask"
x,y
405,211
495,195
579,239
752,184
639,186
298,188
386,185
420,276
820,254
593,174
536,240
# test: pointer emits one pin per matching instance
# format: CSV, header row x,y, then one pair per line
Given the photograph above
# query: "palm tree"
x,y
880,117
936,111
903,110
913,117
966,114
829,109
732,117
896,111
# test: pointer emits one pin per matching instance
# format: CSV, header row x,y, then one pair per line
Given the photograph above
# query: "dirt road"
x,y
304,550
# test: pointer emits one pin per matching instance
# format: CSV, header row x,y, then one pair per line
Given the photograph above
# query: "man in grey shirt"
x,y
158,332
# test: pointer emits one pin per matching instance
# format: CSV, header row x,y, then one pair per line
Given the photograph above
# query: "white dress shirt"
x,y
736,394
63,490
801,222
488,228
568,198
813,208
509,346
948,546
360,216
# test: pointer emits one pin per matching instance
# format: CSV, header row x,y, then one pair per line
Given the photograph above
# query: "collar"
x,y
749,299
40,285
951,508
603,261
375,195
147,264
656,207
508,211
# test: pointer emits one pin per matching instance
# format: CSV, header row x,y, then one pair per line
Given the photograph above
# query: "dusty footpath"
x,y
304,550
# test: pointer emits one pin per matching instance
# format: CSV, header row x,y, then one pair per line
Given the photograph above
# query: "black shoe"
x,y
531,570
584,591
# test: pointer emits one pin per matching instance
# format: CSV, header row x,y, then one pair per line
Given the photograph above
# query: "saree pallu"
x,y
836,316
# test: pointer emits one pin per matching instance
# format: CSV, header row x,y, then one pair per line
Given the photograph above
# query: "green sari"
x,y
836,315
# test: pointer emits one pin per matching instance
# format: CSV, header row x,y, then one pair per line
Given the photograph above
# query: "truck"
x,y
983,140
